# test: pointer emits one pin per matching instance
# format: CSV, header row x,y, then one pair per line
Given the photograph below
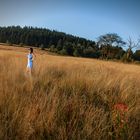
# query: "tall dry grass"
x,y
67,99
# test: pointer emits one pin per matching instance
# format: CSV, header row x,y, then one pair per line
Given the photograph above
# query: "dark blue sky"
x,y
85,18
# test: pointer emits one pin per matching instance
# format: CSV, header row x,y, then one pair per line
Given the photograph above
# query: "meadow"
x,y
67,98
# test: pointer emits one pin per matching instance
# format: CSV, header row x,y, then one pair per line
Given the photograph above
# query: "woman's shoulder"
x,y
29,54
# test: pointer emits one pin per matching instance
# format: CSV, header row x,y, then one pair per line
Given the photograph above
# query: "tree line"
x,y
108,46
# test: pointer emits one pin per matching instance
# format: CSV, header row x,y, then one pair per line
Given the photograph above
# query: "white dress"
x,y
30,61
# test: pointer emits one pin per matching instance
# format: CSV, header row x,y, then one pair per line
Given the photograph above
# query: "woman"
x,y
30,61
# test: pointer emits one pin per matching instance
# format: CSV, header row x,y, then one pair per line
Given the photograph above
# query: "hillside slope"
x,y
67,98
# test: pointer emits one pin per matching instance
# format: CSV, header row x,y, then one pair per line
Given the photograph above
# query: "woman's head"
x,y
31,50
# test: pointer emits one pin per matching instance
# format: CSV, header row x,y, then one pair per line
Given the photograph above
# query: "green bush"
x,y
63,52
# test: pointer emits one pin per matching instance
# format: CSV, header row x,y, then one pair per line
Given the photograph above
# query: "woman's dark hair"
x,y
31,50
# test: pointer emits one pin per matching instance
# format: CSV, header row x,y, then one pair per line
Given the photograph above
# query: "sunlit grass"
x,y
67,98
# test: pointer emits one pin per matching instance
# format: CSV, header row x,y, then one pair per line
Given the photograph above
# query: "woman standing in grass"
x,y
30,61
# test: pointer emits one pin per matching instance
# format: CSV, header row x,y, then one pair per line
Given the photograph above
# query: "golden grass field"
x,y
67,98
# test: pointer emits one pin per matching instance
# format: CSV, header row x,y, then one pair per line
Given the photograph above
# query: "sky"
x,y
84,18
